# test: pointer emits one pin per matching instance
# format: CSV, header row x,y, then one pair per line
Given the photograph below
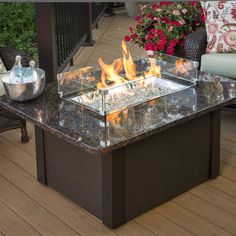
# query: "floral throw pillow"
x,y
2,67
2,70
220,25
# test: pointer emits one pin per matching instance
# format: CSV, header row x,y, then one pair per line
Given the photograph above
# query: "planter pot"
x,y
133,8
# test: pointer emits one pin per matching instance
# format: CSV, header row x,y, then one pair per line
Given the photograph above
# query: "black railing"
x,y
62,28
97,11
118,4
69,34
74,22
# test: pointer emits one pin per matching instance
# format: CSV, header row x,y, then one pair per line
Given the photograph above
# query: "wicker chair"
x,y
195,45
8,120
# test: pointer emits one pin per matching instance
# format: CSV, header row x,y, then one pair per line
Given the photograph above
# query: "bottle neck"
x,y
18,63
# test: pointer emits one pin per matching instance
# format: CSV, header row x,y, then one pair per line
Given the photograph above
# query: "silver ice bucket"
x,y
25,91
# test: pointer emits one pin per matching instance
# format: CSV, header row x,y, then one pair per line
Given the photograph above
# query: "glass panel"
x,y
155,77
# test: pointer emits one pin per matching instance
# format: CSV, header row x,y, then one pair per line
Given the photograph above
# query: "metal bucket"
x,y
25,91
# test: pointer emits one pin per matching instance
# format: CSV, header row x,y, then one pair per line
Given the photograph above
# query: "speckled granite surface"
x,y
98,136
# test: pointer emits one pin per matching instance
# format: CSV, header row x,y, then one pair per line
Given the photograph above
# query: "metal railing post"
x,y
45,26
87,24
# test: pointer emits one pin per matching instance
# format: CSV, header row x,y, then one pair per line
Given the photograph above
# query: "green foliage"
x,y
17,27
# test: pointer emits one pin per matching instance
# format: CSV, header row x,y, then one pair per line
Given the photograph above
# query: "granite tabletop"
x,y
99,136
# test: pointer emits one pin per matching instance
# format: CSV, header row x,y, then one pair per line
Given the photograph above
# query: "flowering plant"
x,y
162,27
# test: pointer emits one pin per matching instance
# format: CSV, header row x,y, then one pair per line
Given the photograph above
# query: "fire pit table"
x,y
118,155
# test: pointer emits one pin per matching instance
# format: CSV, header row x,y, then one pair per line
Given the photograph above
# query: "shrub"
x,y
162,27
17,27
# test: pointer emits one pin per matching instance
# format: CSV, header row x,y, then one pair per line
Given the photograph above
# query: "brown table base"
x,y
125,183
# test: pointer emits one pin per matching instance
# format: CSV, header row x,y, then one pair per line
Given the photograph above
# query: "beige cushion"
x,y
223,64
2,70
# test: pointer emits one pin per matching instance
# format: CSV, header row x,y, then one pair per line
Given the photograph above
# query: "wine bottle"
x,y
30,74
16,72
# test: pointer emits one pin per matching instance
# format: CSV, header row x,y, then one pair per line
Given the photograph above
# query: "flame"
x,y
115,118
153,103
182,66
81,73
129,66
155,70
110,73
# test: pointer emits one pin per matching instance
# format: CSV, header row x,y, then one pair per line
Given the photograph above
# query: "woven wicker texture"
x,y
8,57
195,45
8,120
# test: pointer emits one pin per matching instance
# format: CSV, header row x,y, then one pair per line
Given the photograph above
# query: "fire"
x,y
110,73
182,66
115,118
129,66
155,70
81,73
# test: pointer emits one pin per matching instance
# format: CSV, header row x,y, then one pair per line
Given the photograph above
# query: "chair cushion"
x,y
2,66
220,25
223,64
2,70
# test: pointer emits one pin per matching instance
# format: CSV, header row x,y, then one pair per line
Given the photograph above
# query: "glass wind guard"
x,y
178,67
78,81
104,131
155,77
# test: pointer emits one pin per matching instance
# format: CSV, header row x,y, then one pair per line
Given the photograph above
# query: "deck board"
x,y
211,206
30,208
12,224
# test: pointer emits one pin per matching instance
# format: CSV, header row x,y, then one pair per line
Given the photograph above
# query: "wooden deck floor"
x,y
29,208
108,39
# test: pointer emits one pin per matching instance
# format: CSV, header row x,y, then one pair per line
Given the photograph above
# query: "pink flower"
x,y
150,36
151,46
127,38
203,18
173,42
176,12
131,29
161,44
143,7
133,36
170,50
160,32
174,23
138,18
193,3
170,28
182,22
150,16
165,19
165,3
181,44
184,10
152,31
154,7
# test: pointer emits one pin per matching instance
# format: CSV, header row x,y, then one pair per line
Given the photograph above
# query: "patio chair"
x,y
7,119
217,63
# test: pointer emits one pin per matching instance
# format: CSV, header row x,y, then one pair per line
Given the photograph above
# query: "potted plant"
x,y
162,27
